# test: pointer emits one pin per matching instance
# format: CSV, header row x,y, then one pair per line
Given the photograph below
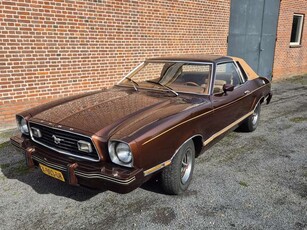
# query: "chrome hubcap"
x,y
255,118
186,166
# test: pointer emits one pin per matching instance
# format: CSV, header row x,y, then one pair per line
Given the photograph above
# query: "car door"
x,y
231,106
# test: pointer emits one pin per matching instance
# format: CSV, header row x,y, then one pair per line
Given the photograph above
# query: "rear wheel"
x,y
176,178
251,123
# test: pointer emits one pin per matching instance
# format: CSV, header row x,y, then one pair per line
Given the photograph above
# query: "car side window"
x,y
244,75
226,73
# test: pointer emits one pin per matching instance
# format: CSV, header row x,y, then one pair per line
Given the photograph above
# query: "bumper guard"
x,y
101,175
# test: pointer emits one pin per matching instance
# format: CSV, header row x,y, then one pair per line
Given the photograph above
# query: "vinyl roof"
x,y
193,57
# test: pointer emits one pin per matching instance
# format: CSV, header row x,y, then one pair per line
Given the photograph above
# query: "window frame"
x,y
242,72
300,30
242,80
138,68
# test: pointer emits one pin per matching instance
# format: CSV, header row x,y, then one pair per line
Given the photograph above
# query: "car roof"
x,y
193,58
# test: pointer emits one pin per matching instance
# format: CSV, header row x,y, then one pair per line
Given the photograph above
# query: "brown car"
x,y
157,119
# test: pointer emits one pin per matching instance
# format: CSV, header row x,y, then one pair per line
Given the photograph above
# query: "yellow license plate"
x,y
52,172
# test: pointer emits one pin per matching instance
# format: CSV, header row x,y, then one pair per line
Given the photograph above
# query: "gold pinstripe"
x,y
227,128
166,163
200,115
157,167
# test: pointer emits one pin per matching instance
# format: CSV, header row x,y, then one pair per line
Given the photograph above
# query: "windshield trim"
x,y
161,90
144,63
133,72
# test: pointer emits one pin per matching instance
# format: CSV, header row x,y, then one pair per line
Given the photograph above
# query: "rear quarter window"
x,y
244,75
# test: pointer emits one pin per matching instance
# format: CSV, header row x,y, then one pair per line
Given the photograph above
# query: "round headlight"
x,y
123,153
22,125
120,153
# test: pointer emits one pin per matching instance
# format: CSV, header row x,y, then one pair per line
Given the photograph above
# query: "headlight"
x,y
123,153
120,153
22,125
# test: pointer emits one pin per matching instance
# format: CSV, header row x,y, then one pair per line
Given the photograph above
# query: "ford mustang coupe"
x,y
156,120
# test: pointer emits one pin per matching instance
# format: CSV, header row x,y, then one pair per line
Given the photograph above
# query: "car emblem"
x,y
56,139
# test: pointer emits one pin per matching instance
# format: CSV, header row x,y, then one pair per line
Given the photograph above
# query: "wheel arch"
x,y
261,100
258,102
198,144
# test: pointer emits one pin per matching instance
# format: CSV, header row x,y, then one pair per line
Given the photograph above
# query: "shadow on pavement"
x,y
12,166
154,185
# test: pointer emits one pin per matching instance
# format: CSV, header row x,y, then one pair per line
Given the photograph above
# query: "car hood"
x,y
115,110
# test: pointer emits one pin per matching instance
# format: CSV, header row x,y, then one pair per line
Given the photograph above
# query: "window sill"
x,y
295,46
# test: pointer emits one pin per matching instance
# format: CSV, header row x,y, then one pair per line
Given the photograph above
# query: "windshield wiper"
x,y
134,83
164,86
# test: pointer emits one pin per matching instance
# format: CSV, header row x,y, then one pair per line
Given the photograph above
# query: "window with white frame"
x,y
297,28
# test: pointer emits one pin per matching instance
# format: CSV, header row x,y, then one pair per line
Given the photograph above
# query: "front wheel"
x,y
251,123
176,178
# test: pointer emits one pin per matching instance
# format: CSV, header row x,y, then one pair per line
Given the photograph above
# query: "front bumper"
x,y
100,175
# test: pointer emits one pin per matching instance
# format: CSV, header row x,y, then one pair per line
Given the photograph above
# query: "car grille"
x,y
68,144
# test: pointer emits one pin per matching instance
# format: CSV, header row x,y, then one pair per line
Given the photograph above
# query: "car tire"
x,y
177,177
251,123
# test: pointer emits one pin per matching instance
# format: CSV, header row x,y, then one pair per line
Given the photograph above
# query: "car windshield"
x,y
171,76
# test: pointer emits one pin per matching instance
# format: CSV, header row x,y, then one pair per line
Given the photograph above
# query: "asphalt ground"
x,y
246,181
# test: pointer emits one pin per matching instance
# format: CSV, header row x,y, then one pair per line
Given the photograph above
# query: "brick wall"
x,y
290,61
51,49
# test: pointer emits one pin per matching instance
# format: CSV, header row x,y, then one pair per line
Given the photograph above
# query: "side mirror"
x,y
228,87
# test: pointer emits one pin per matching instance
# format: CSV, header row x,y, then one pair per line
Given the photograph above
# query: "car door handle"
x,y
247,92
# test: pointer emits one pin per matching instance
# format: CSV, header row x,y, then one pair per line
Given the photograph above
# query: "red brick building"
x,y
291,59
54,48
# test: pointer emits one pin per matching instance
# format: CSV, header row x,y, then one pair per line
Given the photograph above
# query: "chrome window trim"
x,y
133,72
240,73
236,68
212,79
240,68
63,151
